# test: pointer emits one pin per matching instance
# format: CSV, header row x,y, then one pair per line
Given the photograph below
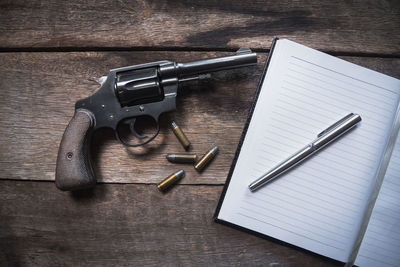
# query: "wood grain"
x,y
128,225
134,224
38,92
339,26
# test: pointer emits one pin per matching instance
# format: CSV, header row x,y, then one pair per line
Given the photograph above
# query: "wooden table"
x,y
48,52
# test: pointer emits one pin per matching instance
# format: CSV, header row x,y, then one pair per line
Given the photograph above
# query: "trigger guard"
x,y
140,144
133,131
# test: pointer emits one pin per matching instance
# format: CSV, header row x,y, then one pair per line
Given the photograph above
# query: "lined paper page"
x,y
319,204
381,243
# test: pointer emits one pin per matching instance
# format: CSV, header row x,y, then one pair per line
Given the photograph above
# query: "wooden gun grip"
x,y
73,168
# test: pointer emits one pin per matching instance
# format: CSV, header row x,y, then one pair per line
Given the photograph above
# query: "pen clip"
x,y
330,128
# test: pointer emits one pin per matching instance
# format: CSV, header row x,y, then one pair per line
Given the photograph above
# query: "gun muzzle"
x,y
244,57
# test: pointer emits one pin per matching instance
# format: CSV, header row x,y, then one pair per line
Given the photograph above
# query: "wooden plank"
x,y
38,92
133,225
340,26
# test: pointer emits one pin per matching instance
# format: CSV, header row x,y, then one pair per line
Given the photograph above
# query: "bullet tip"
x,y
170,157
180,173
214,150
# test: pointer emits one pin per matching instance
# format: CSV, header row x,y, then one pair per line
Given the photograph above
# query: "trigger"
x,y
133,131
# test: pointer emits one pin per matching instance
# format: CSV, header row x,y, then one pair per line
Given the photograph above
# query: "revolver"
x,y
125,95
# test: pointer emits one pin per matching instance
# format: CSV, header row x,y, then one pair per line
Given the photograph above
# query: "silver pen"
x,y
327,136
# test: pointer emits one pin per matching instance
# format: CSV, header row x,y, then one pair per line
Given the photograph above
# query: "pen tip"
x,y
251,188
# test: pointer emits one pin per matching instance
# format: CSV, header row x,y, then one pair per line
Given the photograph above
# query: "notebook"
x,y
344,202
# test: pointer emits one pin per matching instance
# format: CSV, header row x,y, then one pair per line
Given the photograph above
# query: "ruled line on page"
x,y
345,75
381,255
335,223
350,146
311,86
377,229
300,109
313,182
381,241
303,236
393,183
295,194
395,170
391,193
303,65
295,228
370,116
388,214
320,207
304,122
290,150
320,178
327,199
283,141
317,93
382,251
348,90
381,222
340,104
302,105
293,90
300,221
358,155
321,211
390,199
354,90
310,187
293,133
337,186
374,260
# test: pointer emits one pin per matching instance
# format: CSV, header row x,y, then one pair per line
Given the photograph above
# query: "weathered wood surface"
x,y
340,26
128,225
38,92
134,224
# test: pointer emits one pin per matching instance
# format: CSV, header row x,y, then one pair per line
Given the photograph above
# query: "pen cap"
x,y
337,129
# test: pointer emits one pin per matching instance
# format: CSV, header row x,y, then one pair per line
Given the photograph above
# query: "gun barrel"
x,y
244,57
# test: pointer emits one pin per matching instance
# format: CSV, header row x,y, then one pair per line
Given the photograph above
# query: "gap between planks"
x,y
175,49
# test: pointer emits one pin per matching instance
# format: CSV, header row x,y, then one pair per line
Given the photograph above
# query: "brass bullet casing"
x,y
182,158
206,159
171,180
180,135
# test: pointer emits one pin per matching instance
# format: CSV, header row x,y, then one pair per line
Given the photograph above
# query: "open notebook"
x,y
327,203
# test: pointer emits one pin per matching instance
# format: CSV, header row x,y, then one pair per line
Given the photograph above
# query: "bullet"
x,y
182,158
206,159
171,180
180,135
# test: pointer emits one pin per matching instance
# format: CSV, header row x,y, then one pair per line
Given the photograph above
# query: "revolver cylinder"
x,y
136,87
